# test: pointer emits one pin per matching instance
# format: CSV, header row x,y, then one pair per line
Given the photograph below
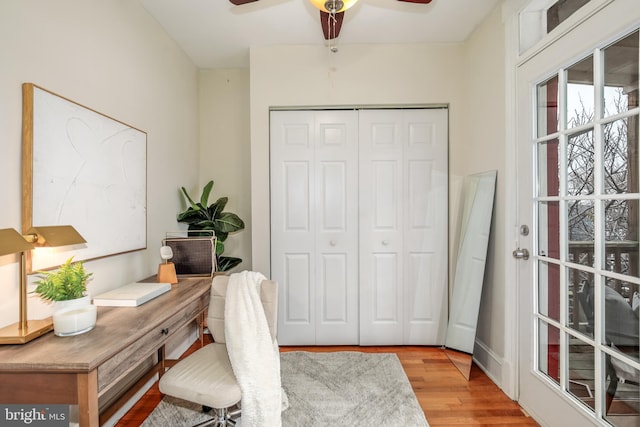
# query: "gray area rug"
x,y
327,389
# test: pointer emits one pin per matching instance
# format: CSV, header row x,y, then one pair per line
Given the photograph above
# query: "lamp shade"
x,y
55,235
330,6
12,242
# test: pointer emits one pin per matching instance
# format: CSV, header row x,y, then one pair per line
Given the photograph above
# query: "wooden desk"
x,y
84,368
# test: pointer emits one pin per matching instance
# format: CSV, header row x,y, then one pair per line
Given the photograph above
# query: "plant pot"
x,y
74,317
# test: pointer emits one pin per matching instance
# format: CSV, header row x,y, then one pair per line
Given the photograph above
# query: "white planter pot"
x,y
74,317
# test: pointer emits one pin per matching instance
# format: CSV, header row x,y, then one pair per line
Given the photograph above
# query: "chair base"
x,y
222,418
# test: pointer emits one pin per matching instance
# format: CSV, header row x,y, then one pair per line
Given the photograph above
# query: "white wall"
x,y
484,149
113,57
225,155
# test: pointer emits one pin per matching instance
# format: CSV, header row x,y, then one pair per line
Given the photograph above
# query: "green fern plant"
x,y
66,283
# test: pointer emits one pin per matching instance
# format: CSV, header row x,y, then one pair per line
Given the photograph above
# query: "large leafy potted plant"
x,y
212,218
66,287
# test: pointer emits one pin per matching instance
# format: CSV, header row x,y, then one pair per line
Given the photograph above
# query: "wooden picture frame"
x,y
85,169
193,256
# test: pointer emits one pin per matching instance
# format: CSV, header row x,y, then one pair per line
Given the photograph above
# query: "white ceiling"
x,y
217,34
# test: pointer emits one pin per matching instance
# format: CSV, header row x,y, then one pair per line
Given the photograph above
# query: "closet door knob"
x,y
385,242
332,243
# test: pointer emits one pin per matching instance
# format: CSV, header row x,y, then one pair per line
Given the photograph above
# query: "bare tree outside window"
x,y
617,159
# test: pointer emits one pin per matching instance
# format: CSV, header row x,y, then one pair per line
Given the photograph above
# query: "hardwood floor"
x,y
446,397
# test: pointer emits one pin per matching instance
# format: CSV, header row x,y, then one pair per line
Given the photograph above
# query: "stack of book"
x,y
131,295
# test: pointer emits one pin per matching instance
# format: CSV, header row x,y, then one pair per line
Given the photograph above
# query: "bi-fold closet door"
x,y
359,226
314,225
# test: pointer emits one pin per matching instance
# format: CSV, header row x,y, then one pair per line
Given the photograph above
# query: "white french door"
x,y
579,194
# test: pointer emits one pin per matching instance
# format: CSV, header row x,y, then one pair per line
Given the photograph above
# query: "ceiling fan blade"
x,y
331,29
417,1
241,2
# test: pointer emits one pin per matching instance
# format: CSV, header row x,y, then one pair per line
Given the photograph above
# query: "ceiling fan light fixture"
x,y
333,6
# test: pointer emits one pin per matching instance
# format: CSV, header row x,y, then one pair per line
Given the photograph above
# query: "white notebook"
x,y
131,295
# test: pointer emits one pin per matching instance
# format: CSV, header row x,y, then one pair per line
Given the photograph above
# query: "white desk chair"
x,y
206,377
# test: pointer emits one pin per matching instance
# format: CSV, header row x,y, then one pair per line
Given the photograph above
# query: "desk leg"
x,y
200,322
88,410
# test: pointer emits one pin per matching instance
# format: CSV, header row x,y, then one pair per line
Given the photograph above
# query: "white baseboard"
x,y
491,364
123,411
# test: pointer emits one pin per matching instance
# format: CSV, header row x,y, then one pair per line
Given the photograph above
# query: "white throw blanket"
x,y
253,353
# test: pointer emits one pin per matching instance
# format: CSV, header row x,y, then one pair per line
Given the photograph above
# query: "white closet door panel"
x,y
292,219
333,130
420,211
426,226
333,196
335,312
314,184
421,310
336,280
422,134
296,288
386,302
334,288
417,304
385,184
404,214
296,304
336,180
383,132
296,196
425,240
385,313
381,237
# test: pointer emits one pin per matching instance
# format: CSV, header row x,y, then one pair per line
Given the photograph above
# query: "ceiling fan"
x,y
331,13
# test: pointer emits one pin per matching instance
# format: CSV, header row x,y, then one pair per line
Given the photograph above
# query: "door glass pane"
x,y
580,93
549,290
621,75
549,221
622,400
580,301
621,236
549,350
548,168
580,231
547,107
620,163
580,163
561,10
581,371
621,323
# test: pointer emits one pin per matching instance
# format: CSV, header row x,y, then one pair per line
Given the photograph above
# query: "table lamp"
x,y
12,242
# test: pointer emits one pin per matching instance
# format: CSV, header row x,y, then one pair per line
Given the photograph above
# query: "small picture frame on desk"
x,y
193,256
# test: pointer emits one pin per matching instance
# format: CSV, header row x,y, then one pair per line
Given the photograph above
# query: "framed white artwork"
x,y
85,169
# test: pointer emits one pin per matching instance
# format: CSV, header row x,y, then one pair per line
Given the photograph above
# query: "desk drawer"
x,y
130,357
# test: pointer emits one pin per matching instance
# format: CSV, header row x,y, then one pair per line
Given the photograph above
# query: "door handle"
x,y
521,254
